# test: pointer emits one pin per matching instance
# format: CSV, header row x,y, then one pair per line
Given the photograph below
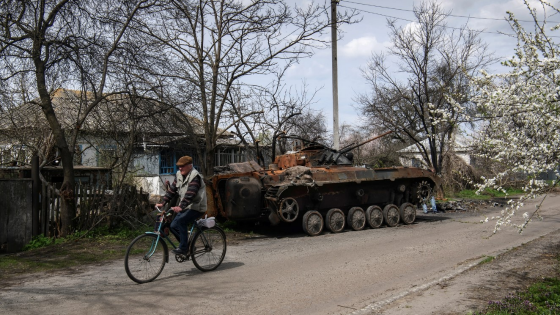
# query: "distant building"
x,y
411,156
157,135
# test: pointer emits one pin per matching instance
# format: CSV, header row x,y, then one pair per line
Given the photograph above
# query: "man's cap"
x,y
184,160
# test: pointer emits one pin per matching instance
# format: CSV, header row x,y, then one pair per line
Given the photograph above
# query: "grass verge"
x,y
46,254
540,298
486,194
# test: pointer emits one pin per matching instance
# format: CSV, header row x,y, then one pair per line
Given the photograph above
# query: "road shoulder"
x,y
471,290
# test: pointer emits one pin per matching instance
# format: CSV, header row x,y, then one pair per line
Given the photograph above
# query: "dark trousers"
x,y
180,226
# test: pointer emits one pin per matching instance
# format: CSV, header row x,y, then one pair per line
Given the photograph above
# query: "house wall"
x,y
154,185
148,176
146,164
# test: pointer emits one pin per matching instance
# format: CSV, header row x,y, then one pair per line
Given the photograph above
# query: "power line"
x,y
453,15
398,18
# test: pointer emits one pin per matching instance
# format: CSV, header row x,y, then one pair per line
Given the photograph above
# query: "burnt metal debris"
x,y
468,205
318,187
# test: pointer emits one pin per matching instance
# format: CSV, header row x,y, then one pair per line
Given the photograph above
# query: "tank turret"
x,y
316,155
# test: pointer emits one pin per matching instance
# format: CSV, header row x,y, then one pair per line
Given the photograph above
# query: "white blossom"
x,y
521,110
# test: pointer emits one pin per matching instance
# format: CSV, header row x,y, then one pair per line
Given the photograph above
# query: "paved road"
x,y
350,272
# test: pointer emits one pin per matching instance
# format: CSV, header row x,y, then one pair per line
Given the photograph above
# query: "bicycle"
x,y
148,253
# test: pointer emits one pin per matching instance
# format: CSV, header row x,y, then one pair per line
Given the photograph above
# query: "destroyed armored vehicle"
x,y
318,187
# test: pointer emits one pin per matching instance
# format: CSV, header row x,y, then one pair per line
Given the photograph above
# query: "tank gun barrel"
x,y
350,148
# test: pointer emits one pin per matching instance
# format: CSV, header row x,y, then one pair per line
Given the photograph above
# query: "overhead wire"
x,y
452,15
409,20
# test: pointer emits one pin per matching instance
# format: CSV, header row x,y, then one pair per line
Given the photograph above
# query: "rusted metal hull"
x,y
252,193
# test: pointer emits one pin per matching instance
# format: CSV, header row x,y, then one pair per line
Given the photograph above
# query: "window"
x,y
229,155
168,158
167,162
12,155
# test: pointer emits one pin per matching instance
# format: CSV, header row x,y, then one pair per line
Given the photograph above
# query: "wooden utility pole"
x,y
336,139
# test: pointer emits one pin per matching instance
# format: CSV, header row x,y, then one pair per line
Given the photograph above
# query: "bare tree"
x,y
432,62
281,110
217,44
64,44
286,111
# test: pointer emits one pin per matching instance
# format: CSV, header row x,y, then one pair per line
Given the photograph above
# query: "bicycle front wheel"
x,y
145,258
208,248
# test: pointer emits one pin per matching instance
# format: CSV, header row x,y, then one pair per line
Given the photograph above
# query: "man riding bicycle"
x,y
191,204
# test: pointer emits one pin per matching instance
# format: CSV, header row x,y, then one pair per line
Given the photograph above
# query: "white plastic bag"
x,y
207,222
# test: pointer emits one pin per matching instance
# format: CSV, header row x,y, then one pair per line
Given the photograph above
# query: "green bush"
x,y
38,242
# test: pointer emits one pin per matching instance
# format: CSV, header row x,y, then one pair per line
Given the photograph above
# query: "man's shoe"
x,y
178,251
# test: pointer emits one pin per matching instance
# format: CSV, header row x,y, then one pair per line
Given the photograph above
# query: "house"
x,y
411,156
123,132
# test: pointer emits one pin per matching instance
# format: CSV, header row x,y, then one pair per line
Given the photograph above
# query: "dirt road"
x,y
364,272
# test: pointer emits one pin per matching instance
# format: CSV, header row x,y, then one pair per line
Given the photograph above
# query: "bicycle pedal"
x,y
181,258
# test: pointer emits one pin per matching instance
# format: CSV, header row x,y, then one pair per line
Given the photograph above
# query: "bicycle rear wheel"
x,y
145,258
208,248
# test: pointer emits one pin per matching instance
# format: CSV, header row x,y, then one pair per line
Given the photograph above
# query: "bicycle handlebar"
x,y
168,212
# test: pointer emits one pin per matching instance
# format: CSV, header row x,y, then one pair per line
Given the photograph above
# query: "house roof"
x,y
115,113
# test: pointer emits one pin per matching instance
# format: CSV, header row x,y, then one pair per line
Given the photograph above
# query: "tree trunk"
x,y
68,205
208,165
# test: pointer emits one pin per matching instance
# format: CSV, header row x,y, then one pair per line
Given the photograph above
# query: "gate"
x,y
28,208
16,222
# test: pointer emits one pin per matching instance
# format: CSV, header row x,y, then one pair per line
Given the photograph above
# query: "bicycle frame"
x,y
168,239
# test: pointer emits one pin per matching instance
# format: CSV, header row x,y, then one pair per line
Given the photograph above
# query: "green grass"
x,y
540,298
103,233
229,226
45,254
486,260
486,194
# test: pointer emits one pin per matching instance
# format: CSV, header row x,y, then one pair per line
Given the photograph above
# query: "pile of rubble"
x,y
467,205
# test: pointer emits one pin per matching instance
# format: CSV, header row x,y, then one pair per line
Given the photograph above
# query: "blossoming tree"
x,y
521,113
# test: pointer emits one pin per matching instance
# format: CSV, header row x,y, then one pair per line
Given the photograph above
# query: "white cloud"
x,y
361,47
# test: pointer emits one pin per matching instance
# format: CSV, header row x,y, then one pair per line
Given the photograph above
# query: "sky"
x,y
370,35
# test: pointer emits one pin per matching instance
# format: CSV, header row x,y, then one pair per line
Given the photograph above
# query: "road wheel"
x,y
288,210
408,213
312,223
335,220
374,216
424,190
356,218
391,215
